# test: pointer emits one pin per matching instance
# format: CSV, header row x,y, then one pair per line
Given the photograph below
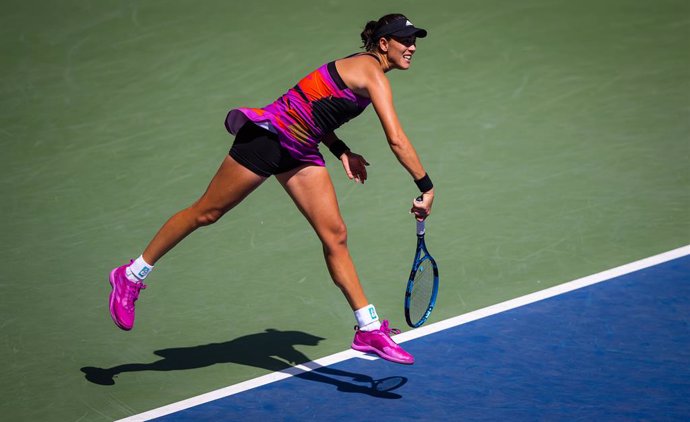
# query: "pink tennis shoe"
x,y
122,298
380,342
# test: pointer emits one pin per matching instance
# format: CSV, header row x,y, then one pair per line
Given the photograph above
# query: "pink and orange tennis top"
x,y
316,106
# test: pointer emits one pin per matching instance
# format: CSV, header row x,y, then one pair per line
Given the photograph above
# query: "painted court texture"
x,y
557,134
611,351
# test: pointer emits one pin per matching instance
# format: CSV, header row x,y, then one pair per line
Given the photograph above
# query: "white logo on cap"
x,y
408,23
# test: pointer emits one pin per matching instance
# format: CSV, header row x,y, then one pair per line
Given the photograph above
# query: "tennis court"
x,y
612,346
557,135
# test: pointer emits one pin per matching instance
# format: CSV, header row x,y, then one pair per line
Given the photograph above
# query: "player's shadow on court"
x,y
273,350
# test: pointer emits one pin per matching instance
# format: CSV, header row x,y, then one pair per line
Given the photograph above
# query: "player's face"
x,y
401,50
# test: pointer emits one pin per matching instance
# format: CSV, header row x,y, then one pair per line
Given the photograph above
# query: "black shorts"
x,y
260,151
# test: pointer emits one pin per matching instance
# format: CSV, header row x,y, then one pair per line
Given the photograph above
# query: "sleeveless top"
x,y
317,105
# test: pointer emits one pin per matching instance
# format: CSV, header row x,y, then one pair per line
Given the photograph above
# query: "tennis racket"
x,y
422,287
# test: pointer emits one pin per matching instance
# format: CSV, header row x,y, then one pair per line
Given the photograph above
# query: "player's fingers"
x,y
419,217
346,166
419,211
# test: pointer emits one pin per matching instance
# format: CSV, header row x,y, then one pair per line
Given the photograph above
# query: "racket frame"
x,y
421,254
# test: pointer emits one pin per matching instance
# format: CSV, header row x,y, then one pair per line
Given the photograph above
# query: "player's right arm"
x,y
377,86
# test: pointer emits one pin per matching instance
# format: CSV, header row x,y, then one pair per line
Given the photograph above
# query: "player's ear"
x,y
383,44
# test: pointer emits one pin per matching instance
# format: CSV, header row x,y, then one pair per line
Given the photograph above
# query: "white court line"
x,y
417,333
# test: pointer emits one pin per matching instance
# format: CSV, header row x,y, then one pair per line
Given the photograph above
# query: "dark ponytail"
x,y
367,36
368,41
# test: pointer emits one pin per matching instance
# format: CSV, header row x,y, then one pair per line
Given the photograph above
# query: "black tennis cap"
x,y
400,28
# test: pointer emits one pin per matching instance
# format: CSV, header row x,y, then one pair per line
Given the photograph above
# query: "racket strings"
x,y
423,288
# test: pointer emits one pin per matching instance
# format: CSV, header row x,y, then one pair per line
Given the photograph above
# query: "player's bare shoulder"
x,y
359,71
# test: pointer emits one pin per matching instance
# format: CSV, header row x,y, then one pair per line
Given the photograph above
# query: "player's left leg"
x,y
312,191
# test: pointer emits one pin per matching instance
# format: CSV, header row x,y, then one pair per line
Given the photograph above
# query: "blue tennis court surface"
x,y
617,350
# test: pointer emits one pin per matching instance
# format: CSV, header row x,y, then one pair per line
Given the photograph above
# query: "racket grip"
x,y
420,224
421,227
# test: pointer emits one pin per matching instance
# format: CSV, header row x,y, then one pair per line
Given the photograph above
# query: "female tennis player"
x,y
282,140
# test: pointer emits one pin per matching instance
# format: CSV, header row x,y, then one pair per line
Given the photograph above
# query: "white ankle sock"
x,y
367,319
138,270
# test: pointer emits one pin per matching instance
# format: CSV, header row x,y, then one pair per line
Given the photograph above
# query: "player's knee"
x,y
337,237
208,217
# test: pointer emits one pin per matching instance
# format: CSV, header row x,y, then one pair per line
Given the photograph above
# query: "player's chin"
x,y
403,64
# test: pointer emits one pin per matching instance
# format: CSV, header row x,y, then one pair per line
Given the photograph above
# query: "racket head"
x,y
422,289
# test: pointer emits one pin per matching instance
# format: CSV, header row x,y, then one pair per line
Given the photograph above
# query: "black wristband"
x,y
338,148
424,184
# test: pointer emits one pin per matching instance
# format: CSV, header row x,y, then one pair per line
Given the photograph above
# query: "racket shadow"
x,y
272,349
363,384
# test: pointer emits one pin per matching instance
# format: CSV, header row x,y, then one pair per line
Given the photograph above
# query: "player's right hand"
x,y
422,209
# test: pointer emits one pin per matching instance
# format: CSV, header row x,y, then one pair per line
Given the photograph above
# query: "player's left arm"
x,y
354,164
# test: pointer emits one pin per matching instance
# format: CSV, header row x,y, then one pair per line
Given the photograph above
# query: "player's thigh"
x,y
311,188
230,185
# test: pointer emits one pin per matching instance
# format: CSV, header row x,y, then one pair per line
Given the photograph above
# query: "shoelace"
x,y
385,328
132,294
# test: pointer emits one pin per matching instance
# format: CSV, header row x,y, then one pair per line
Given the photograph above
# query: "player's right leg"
x,y
231,184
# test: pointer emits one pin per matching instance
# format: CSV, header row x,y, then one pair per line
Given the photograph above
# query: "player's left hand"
x,y
355,166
